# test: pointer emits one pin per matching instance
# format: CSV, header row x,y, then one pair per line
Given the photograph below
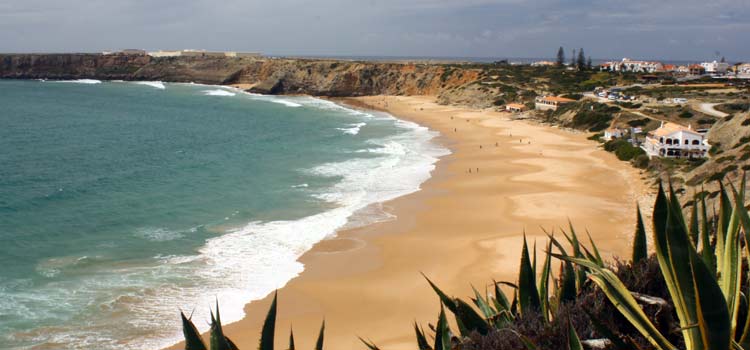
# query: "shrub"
x,y
623,149
639,122
686,115
725,159
641,161
715,148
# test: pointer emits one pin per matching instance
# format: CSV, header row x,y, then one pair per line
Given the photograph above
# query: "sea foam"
x,y
81,81
155,84
218,92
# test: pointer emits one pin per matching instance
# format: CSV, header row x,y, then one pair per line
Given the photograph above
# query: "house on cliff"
x,y
675,141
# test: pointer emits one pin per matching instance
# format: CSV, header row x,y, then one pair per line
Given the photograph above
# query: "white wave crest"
x,y
218,92
353,129
81,81
154,84
285,102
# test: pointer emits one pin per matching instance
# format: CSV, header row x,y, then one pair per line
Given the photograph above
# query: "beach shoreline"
x,y
463,228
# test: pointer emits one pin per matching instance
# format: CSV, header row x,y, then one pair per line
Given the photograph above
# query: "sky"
x,y
662,29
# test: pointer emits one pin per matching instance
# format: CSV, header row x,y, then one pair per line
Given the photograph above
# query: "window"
x,y
696,142
687,142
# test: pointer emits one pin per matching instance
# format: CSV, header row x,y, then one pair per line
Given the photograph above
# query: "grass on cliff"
x,y
690,293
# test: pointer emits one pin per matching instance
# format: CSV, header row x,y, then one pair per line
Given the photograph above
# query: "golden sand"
x,y
462,228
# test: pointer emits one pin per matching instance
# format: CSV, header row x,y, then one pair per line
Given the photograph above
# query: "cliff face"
x,y
266,75
70,66
343,78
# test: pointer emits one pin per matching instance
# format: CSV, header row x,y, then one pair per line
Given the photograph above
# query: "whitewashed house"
x,y
613,133
715,67
628,65
675,141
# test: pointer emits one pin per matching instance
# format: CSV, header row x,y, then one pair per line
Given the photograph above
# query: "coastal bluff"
x,y
316,77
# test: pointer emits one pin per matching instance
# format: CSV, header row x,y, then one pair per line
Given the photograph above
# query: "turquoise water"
x,y
121,202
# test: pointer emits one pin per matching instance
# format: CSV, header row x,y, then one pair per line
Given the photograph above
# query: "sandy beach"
x,y
463,228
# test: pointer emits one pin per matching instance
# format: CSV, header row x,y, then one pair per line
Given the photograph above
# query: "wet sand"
x,y
463,228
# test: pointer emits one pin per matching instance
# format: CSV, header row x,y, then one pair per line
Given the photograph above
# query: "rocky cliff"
x,y
264,75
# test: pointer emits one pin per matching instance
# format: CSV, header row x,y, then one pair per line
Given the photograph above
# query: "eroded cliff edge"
x,y
264,75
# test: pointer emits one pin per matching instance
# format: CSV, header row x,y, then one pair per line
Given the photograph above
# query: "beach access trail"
x,y
465,227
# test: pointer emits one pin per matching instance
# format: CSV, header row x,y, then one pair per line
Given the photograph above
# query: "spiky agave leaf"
x,y
470,319
574,343
731,277
544,283
319,342
291,339
369,344
442,333
527,293
597,256
449,303
267,334
193,340
421,339
707,251
672,248
713,314
218,339
694,231
232,345
640,250
621,298
483,304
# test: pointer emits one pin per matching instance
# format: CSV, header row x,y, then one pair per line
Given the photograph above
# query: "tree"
x,y
560,56
588,63
573,58
723,60
581,61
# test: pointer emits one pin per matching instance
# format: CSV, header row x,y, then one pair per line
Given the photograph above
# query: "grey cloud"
x,y
668,29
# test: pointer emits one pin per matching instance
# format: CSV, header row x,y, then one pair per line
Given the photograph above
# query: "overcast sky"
x,y
663,29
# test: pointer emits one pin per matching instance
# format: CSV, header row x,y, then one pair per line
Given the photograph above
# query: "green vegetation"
x,y
639,122
630,105
589,116
733,107
623,149
690,294
686,114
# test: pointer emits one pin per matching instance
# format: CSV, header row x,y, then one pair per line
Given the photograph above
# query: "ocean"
x,y
122,203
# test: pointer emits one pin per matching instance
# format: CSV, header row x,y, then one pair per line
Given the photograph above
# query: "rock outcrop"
x,y
265,75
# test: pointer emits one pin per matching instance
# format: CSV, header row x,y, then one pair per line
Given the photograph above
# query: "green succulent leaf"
x,y
267,335
319,342
193,340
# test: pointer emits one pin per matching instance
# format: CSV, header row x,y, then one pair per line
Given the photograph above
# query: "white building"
x,y
715,67
613,133
675,141
550,102
628,65
202,53
163,53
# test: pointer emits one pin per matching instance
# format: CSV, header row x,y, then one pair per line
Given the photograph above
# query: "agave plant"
x,y
704,279
530,297
219,341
